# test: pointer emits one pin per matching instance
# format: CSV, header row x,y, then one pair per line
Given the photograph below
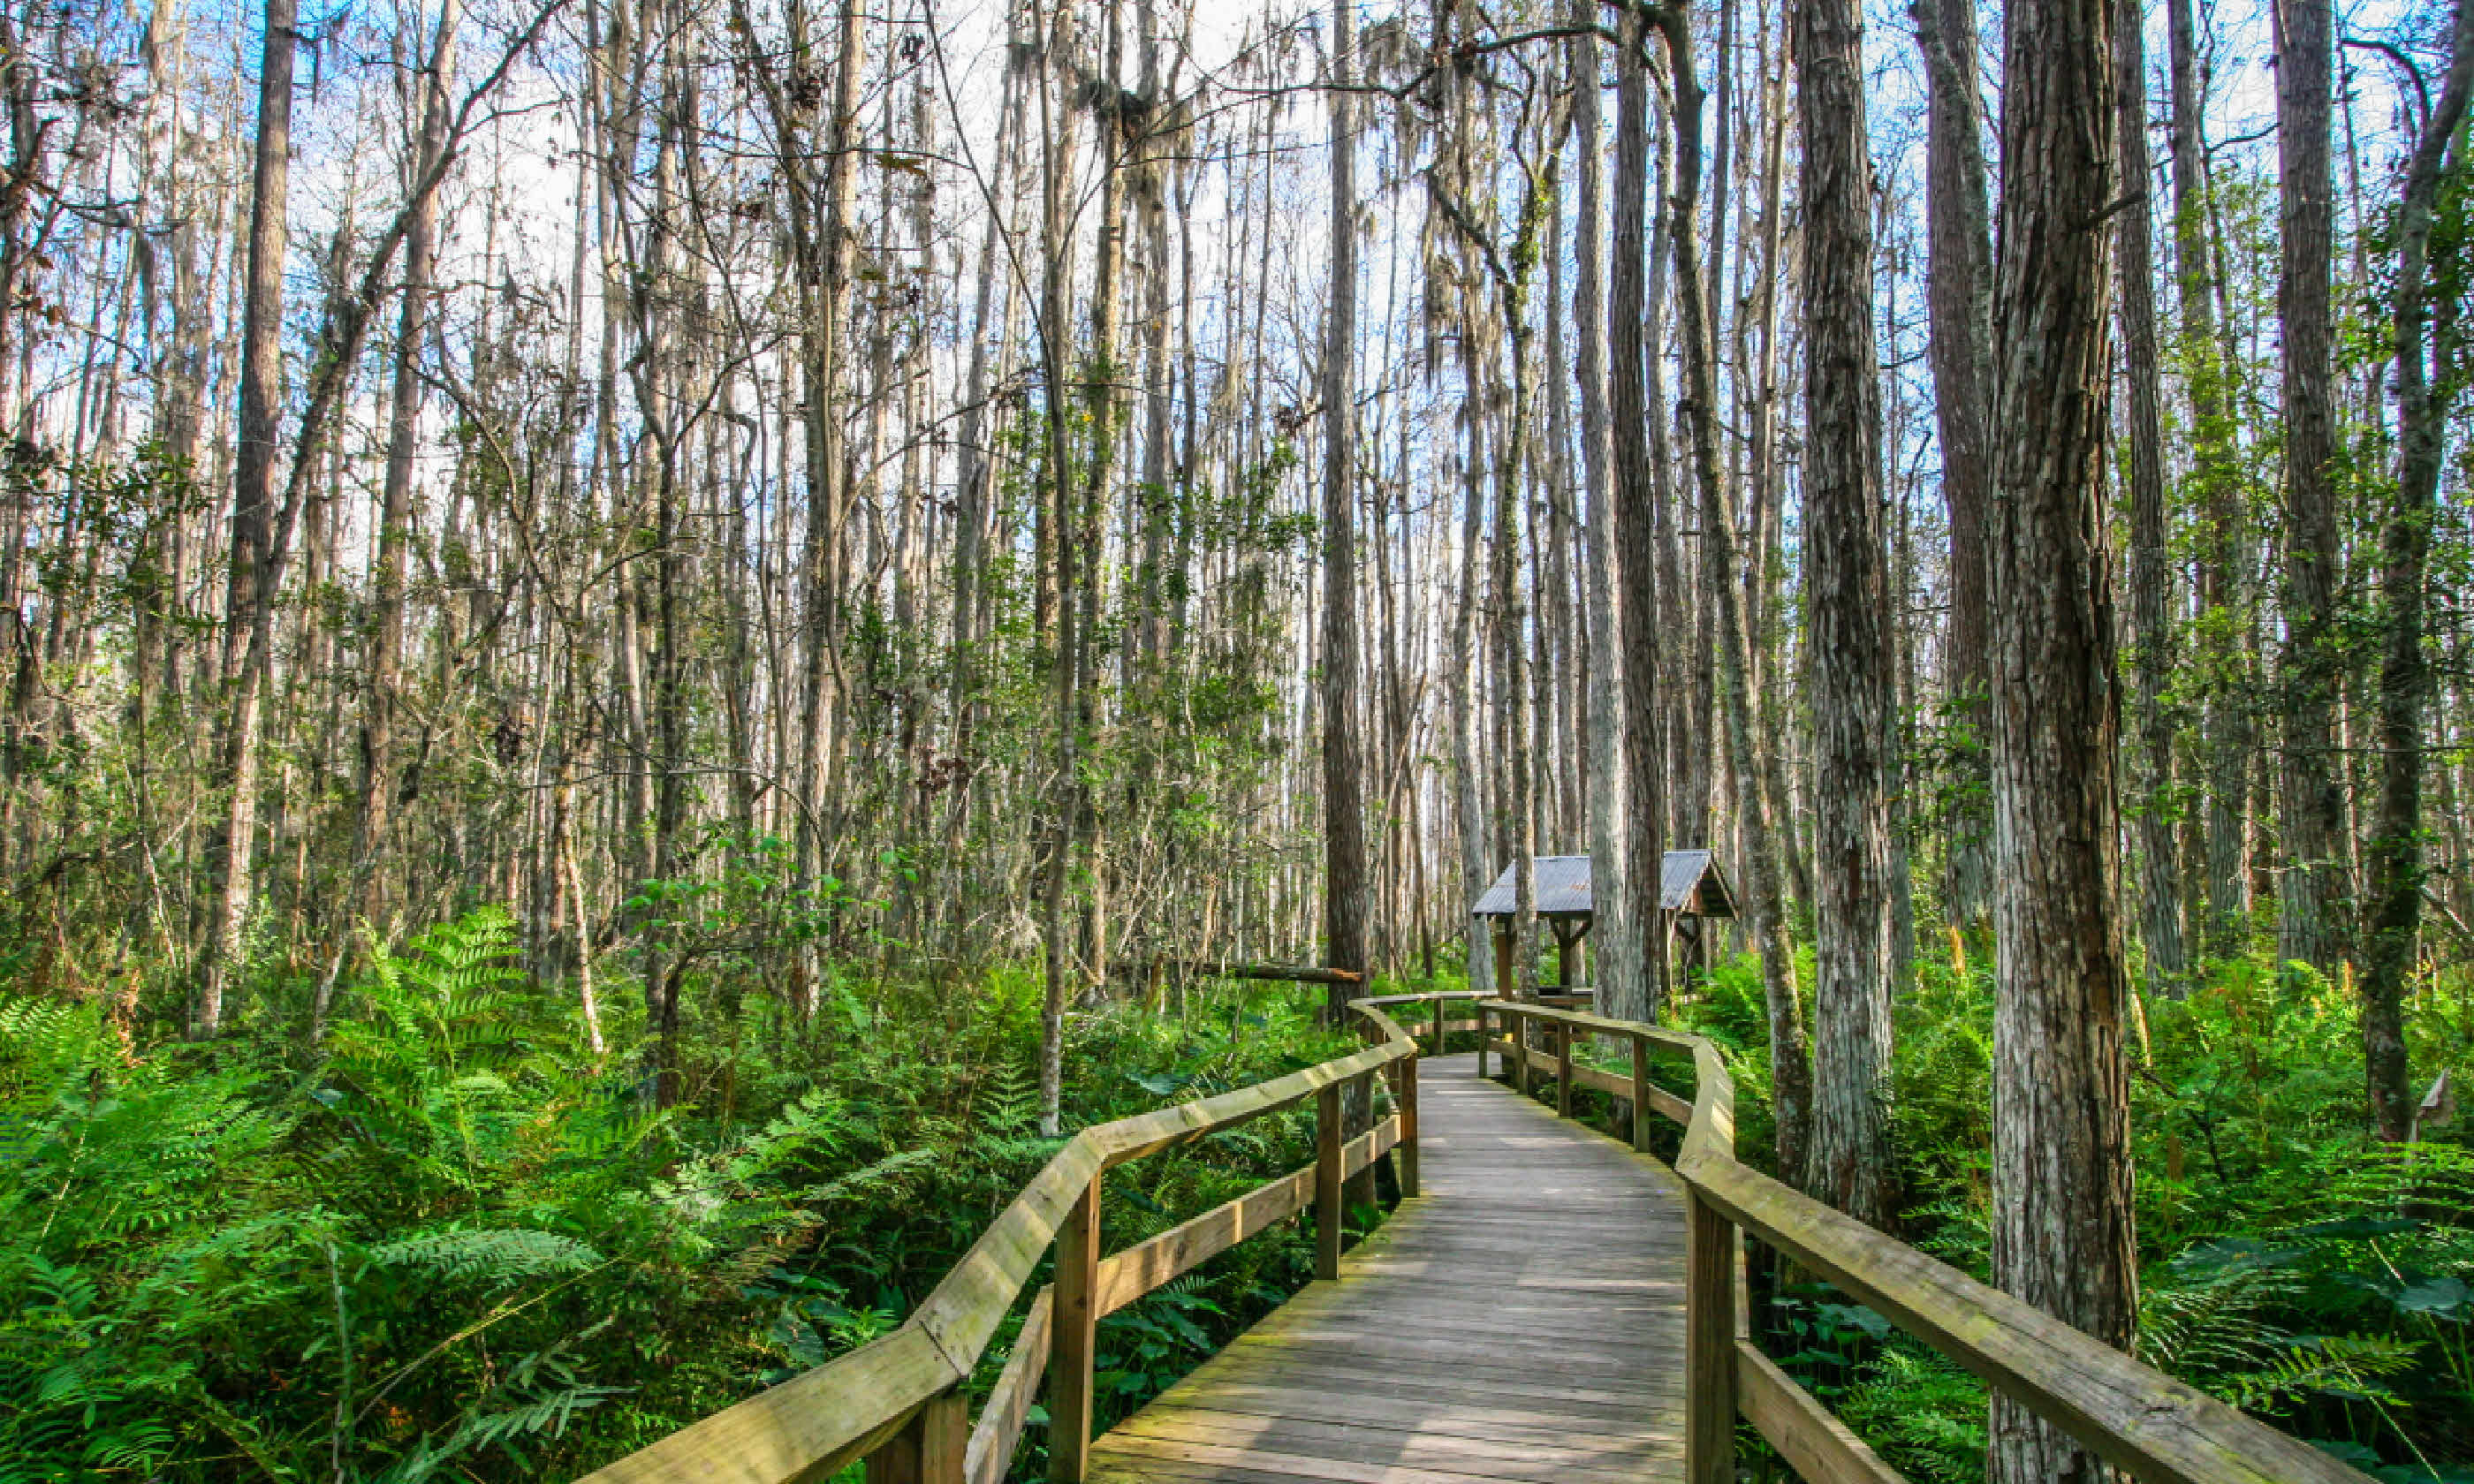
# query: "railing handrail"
x,y
2132,1415
821,1419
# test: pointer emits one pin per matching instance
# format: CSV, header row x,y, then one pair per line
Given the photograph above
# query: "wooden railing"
x,y
898,1402
2139,1418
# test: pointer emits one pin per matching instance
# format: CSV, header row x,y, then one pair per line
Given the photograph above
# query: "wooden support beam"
x,y
1563,1071
930,1448
1641,1094
1407,1098
1818,1445
1708,1345
1074,1328
1128,1275
1327,1181
990,1452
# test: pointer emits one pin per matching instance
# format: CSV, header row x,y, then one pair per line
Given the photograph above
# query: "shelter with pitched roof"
x,y
1691,889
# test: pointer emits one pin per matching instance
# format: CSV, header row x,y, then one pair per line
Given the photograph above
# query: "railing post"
x,y
1563,1068
929,1448
1708,1344
1408,1100
1073,1334
1640,1093
1482,1038
1327,1147
1440,1031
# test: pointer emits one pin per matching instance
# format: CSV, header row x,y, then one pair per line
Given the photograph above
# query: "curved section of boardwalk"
x,y
1522,1320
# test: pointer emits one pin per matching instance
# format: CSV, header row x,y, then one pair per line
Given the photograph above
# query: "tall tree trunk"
x,y
262,371
1064,801
261,398
1790,1070
2394,851
2062,1214
386,638
1959,302
1847,649
663,395
1344,888
1760,519
1617,933
1464,672
1516,803
2222,529
2151,562
1103,402
2311,898
1635,516
832,254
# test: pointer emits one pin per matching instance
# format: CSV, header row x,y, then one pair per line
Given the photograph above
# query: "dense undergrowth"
x,y
2290,1263
448,1240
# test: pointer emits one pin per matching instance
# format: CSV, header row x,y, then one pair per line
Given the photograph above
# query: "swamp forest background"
x,y
642,645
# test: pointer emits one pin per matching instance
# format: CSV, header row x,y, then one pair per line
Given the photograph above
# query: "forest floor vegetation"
x,y
2290,1263
448,1240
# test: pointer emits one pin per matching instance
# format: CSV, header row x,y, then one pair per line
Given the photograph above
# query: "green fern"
x,y
2209,1324
493,1258
2353,1368
540,1398
1009,1102
1924,1415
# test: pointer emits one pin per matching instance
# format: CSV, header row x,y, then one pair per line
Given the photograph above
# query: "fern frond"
x,y
497,1256
2204,1323
2347,1366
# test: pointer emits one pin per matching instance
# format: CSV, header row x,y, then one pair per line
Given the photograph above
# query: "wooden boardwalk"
x,y
1522,1320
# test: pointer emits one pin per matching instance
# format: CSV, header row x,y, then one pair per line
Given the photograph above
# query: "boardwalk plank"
x,y
1522,1322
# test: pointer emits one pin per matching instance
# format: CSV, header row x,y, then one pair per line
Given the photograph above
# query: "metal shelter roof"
x,y
1690,882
